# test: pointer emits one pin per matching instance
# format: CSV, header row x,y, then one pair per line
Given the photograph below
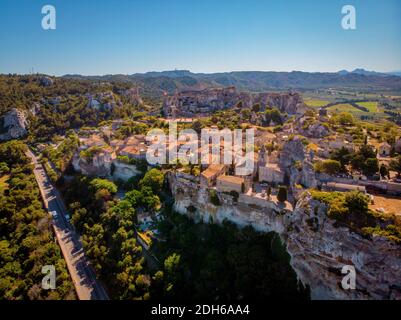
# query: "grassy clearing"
x,y
343,107
316,103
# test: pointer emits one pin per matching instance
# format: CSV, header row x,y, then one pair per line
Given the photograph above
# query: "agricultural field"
x,y
370,105
373,113
343,107
316,103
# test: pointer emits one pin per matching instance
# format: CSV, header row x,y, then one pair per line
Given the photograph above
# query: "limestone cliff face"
x,y
291,103
208,100
133,96
13,125
294,153
318,249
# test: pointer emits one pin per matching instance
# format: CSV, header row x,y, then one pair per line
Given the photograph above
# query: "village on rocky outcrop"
x,y
301,157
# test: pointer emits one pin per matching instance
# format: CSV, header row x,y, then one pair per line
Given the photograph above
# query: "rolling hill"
x,y
155,83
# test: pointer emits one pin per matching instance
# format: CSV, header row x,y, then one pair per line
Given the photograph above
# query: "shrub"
x,y
330,167
391,232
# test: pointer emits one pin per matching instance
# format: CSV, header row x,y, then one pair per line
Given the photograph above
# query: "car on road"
x,y
54,214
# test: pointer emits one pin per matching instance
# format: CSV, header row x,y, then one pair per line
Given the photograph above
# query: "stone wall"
x,y
386,186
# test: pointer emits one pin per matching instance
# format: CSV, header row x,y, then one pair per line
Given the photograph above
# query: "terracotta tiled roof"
x,y
231,179
212,170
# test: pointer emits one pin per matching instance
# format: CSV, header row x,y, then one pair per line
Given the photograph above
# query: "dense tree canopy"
x,y
26,237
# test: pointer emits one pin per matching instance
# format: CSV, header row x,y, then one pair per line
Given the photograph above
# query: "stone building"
x,y
134,152
209,176
384,149
268,171
271,173
230,183
93,141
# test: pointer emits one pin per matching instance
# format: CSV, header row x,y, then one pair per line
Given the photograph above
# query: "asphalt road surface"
x,y
82,274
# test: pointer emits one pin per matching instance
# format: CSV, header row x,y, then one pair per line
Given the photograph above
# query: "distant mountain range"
x,y
370,73
155,83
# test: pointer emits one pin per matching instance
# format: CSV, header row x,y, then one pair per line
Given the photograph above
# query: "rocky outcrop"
x,y
13,125
123,171
205,101
46,81
318,248
296,165
189,103
290,103
105,101
102,163
133,96
314,129
35,109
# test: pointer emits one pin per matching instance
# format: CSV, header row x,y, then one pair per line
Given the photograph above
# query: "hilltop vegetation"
x,y
26,237
156,82
62,106
352,209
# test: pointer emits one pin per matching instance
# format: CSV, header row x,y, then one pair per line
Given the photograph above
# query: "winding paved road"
x,y
82,274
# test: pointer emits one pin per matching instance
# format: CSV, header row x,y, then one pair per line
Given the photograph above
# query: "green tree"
x,y
357,162
256,107
383,170
331,167
153,179
99,184
214,198
395,165
197,126
343,155
343,118
269,192
367,152
282,194
371,166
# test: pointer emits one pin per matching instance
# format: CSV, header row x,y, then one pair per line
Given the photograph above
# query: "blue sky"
x,y
129,36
